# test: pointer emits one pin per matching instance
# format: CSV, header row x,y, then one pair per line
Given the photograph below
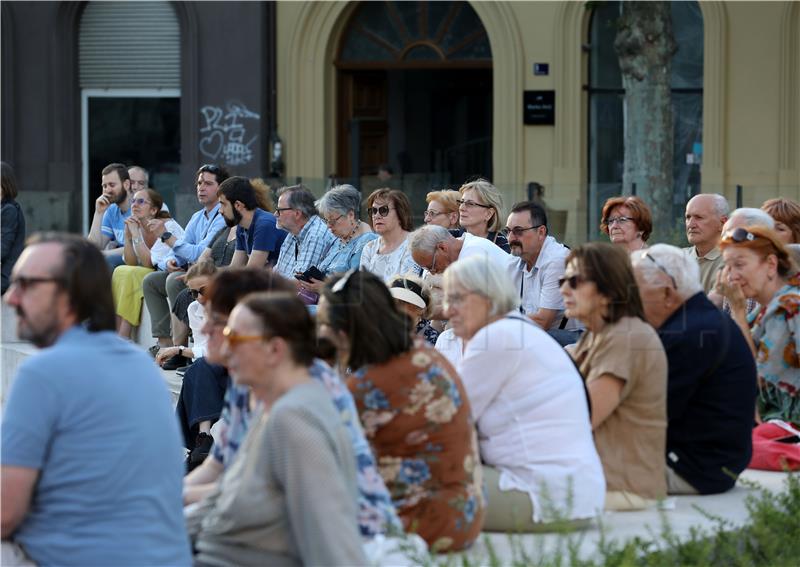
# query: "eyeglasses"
x,y
197,292
573,281
279,210
662,268
470,204
455,299
331,222
431,213
518,231
235,339
383,211
138,183
617,220
140,201
24,283
741,234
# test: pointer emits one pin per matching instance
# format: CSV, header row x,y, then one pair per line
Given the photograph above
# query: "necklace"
x,y
349,237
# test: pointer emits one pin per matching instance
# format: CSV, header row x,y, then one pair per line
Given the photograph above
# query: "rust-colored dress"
x,y
417,419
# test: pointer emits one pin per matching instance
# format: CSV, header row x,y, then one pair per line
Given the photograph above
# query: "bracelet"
x,y
137,241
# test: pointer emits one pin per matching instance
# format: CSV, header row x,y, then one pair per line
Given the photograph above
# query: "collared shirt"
x,y
113,225
709,265
298,253
200,231
539,287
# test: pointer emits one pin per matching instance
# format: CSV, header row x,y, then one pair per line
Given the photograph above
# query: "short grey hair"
x,y
750,216
427,237
340,199
669,261
478,274
300,199
721,206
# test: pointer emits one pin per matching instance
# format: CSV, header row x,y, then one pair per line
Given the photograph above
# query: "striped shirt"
x,y
299,253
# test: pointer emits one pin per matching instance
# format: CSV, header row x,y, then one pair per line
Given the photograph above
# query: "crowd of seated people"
x,y
318,419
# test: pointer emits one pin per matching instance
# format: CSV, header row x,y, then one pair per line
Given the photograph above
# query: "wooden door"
x,y
363,102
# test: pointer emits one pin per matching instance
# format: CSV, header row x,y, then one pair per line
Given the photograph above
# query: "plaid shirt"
x,y
298,253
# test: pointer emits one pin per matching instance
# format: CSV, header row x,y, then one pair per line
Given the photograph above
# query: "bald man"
x,y
705,216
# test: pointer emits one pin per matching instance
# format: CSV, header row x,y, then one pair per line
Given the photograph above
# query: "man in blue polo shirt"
x,y
711,386
258,239
112,207
91,466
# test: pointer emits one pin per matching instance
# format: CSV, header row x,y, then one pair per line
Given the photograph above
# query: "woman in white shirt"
x,y
528,402
143,253
390,216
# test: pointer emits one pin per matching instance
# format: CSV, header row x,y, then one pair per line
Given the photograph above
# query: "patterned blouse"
x,y
417,418
776,334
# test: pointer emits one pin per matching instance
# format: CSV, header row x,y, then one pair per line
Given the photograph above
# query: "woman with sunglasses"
x,y
528,403
625,367
757,266
143,253
479,211
340,207
414,410
290,496
627,221
390,215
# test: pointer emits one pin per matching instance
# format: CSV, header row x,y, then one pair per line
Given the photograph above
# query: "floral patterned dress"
x,y
776,334
416,416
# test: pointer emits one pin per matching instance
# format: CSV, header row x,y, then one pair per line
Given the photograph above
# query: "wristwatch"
x,y
166,236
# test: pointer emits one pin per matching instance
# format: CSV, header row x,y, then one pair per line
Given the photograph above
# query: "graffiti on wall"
x,y
224,134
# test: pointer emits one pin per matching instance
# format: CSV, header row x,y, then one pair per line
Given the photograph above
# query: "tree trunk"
x,y
645,45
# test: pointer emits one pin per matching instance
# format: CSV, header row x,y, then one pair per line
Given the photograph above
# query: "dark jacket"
x,y
12,223
711,396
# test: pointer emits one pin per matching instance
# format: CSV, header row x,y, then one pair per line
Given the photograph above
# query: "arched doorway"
x,y
414,92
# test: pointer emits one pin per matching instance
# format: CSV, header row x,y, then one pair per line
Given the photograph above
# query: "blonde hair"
x,y
490,196
447,197
263,193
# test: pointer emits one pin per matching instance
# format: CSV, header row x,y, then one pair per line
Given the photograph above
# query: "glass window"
x,y
606,127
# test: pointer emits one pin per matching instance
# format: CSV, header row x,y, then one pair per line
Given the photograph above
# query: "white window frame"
x,y
86,94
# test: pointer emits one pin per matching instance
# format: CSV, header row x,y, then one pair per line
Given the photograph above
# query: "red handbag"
x,y
776,447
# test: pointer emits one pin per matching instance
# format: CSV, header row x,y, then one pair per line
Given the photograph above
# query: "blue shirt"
x,y
199,233
298,253
263,235
113,225
93,415
345,256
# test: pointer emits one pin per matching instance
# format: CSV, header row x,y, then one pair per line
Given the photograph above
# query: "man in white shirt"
x,y
540,262
434,248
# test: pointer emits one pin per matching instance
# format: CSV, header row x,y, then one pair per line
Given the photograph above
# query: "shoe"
x,y
153,350
202,447
175,362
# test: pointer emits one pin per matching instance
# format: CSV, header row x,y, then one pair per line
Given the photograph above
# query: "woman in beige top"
x,y
290,495
625,368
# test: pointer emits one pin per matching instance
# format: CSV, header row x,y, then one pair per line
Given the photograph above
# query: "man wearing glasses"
x,y
539,265
86,420
434,248
308,240
167,282
711,384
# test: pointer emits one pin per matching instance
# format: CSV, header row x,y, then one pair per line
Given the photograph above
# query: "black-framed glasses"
x,y
741,234
662,268
383,210
140,201
518,230
279,210
197,292
573,281
25,283
470,204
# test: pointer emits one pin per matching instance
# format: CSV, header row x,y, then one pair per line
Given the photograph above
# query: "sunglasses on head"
x,y
741,235
209,167
383,210
197,292
573,281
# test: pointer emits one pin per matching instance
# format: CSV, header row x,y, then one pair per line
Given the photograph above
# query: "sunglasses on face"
x,y
140,201
573,281
383,210
194,293
233,338
471,204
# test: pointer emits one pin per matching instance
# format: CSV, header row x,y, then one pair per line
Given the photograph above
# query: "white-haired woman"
x,y
528,402
479,211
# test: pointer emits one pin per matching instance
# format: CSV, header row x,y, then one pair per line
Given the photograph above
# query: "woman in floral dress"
x,y
414,410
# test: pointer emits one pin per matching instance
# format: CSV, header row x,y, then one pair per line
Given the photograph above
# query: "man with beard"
x,y
86,419
540,264
167,282
258,239
111,210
